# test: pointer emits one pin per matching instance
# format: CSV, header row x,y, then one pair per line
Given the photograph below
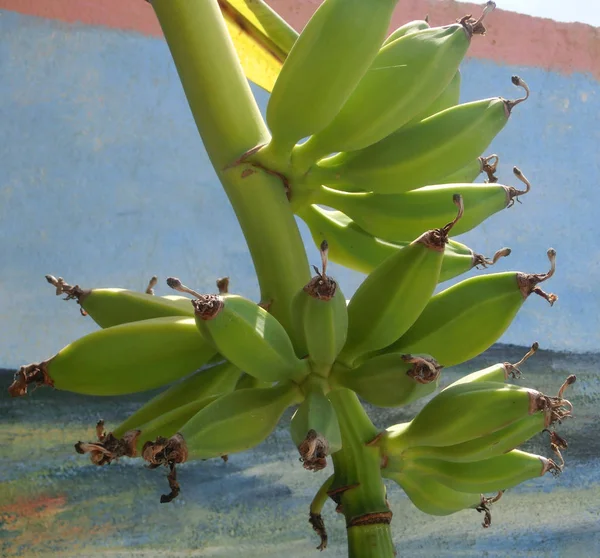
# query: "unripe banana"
x,y
122,359
405,78
353,247
246,335
246,381
232,423
218,379
472,170
110,307
393,296
406,29
468,411
321,318
497,473
315,429
500,372
469,317
331,55
418,155
430,496
398,217
449,97
390,380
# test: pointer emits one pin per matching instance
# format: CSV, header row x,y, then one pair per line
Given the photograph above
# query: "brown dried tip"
x,y
207,307
489,165
481,262
475,26
512,194
223,285
31,374
109,448
321,286
318,525
512,370
509,105
313,451
528,281
72,291
424,370
484,507
556,409
167,452
436,239
151,284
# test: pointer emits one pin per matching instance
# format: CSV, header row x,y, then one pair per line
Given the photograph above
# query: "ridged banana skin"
x,y
221,378
495,373
383,381
353,247
418,155
316,413
465,412
131,357
390,299
464,320
252,339
406,29
401,217
237,421
322,326
111,307
405,78
490,475
484,447
169,423
449,97
430,496
331,55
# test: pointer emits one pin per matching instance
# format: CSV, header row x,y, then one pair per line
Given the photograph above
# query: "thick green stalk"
x,y
230,124
358,480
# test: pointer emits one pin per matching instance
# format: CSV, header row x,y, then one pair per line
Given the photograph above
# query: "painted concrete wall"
x,y
104,180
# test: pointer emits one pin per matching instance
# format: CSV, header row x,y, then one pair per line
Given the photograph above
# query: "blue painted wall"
x,y
104,180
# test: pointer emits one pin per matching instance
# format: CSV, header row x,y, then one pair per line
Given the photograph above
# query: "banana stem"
x,y
357,486
230,124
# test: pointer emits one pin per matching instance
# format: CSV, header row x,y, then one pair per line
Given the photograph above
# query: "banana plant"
x,y
242,363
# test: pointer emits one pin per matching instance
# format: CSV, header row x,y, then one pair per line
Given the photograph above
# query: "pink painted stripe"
x,y
512,39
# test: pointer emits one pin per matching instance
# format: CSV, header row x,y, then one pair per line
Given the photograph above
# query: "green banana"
x,y
353,247
468,411
122,359
390,380
421,154
111,307
221,378
246,335
433,497
406,29
500,372
246,381
315,429
398,217
472,170
393,296
405,78
497,473
449,97
321,318
469,317
322,69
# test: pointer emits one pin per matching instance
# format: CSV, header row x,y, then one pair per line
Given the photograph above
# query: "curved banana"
x,y
122,359
405,78
406,29
497,473
315,429
322,69
393,296
321,318
421,154
353,247
469,317
449,97
110,307
246,335
472,170
218,379
390,380
398,217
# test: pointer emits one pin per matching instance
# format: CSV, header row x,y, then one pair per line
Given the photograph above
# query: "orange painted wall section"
x,y
514,39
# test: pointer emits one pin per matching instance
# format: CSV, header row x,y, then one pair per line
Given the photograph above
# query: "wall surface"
x,y
104,181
